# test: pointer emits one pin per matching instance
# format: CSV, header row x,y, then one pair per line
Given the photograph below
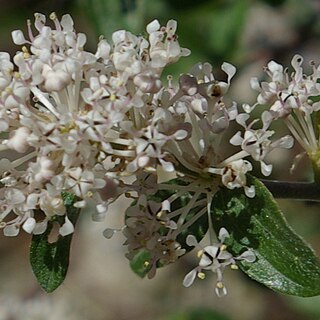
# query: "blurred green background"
x,y
100,285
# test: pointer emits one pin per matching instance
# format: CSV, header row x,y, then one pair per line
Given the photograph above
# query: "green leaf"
x,y
285,263
50,260
140,262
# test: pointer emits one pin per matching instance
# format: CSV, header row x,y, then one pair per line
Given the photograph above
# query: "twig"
x,y
293,190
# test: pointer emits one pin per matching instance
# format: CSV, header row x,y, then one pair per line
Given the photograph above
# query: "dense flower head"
x,y
105,124
64,112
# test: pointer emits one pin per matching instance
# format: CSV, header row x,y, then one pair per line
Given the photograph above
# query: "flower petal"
x,y
67,227
191,241
29,225
189,278
223,234
248,256
11,230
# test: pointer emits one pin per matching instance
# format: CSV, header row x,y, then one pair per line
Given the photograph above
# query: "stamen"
x,y
223,247
200,254
201,275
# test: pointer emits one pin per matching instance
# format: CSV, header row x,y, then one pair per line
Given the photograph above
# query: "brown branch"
x,y
307,191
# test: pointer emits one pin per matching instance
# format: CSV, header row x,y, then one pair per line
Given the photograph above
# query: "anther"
x,y
223,247
200,254
53,16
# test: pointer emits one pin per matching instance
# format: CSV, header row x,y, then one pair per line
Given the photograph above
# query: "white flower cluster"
x,y
105,124
77,120
295,99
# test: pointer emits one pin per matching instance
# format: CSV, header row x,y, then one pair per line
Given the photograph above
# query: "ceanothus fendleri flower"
x,y
215,258
294,99
63,111
99,125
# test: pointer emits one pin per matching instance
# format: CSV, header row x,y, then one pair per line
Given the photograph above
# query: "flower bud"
x,y
188,84
18,141
55,80
147,83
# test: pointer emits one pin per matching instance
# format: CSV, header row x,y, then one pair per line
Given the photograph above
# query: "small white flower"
x,y
55,80
215,258
43,169
51,206
288,97
257,143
